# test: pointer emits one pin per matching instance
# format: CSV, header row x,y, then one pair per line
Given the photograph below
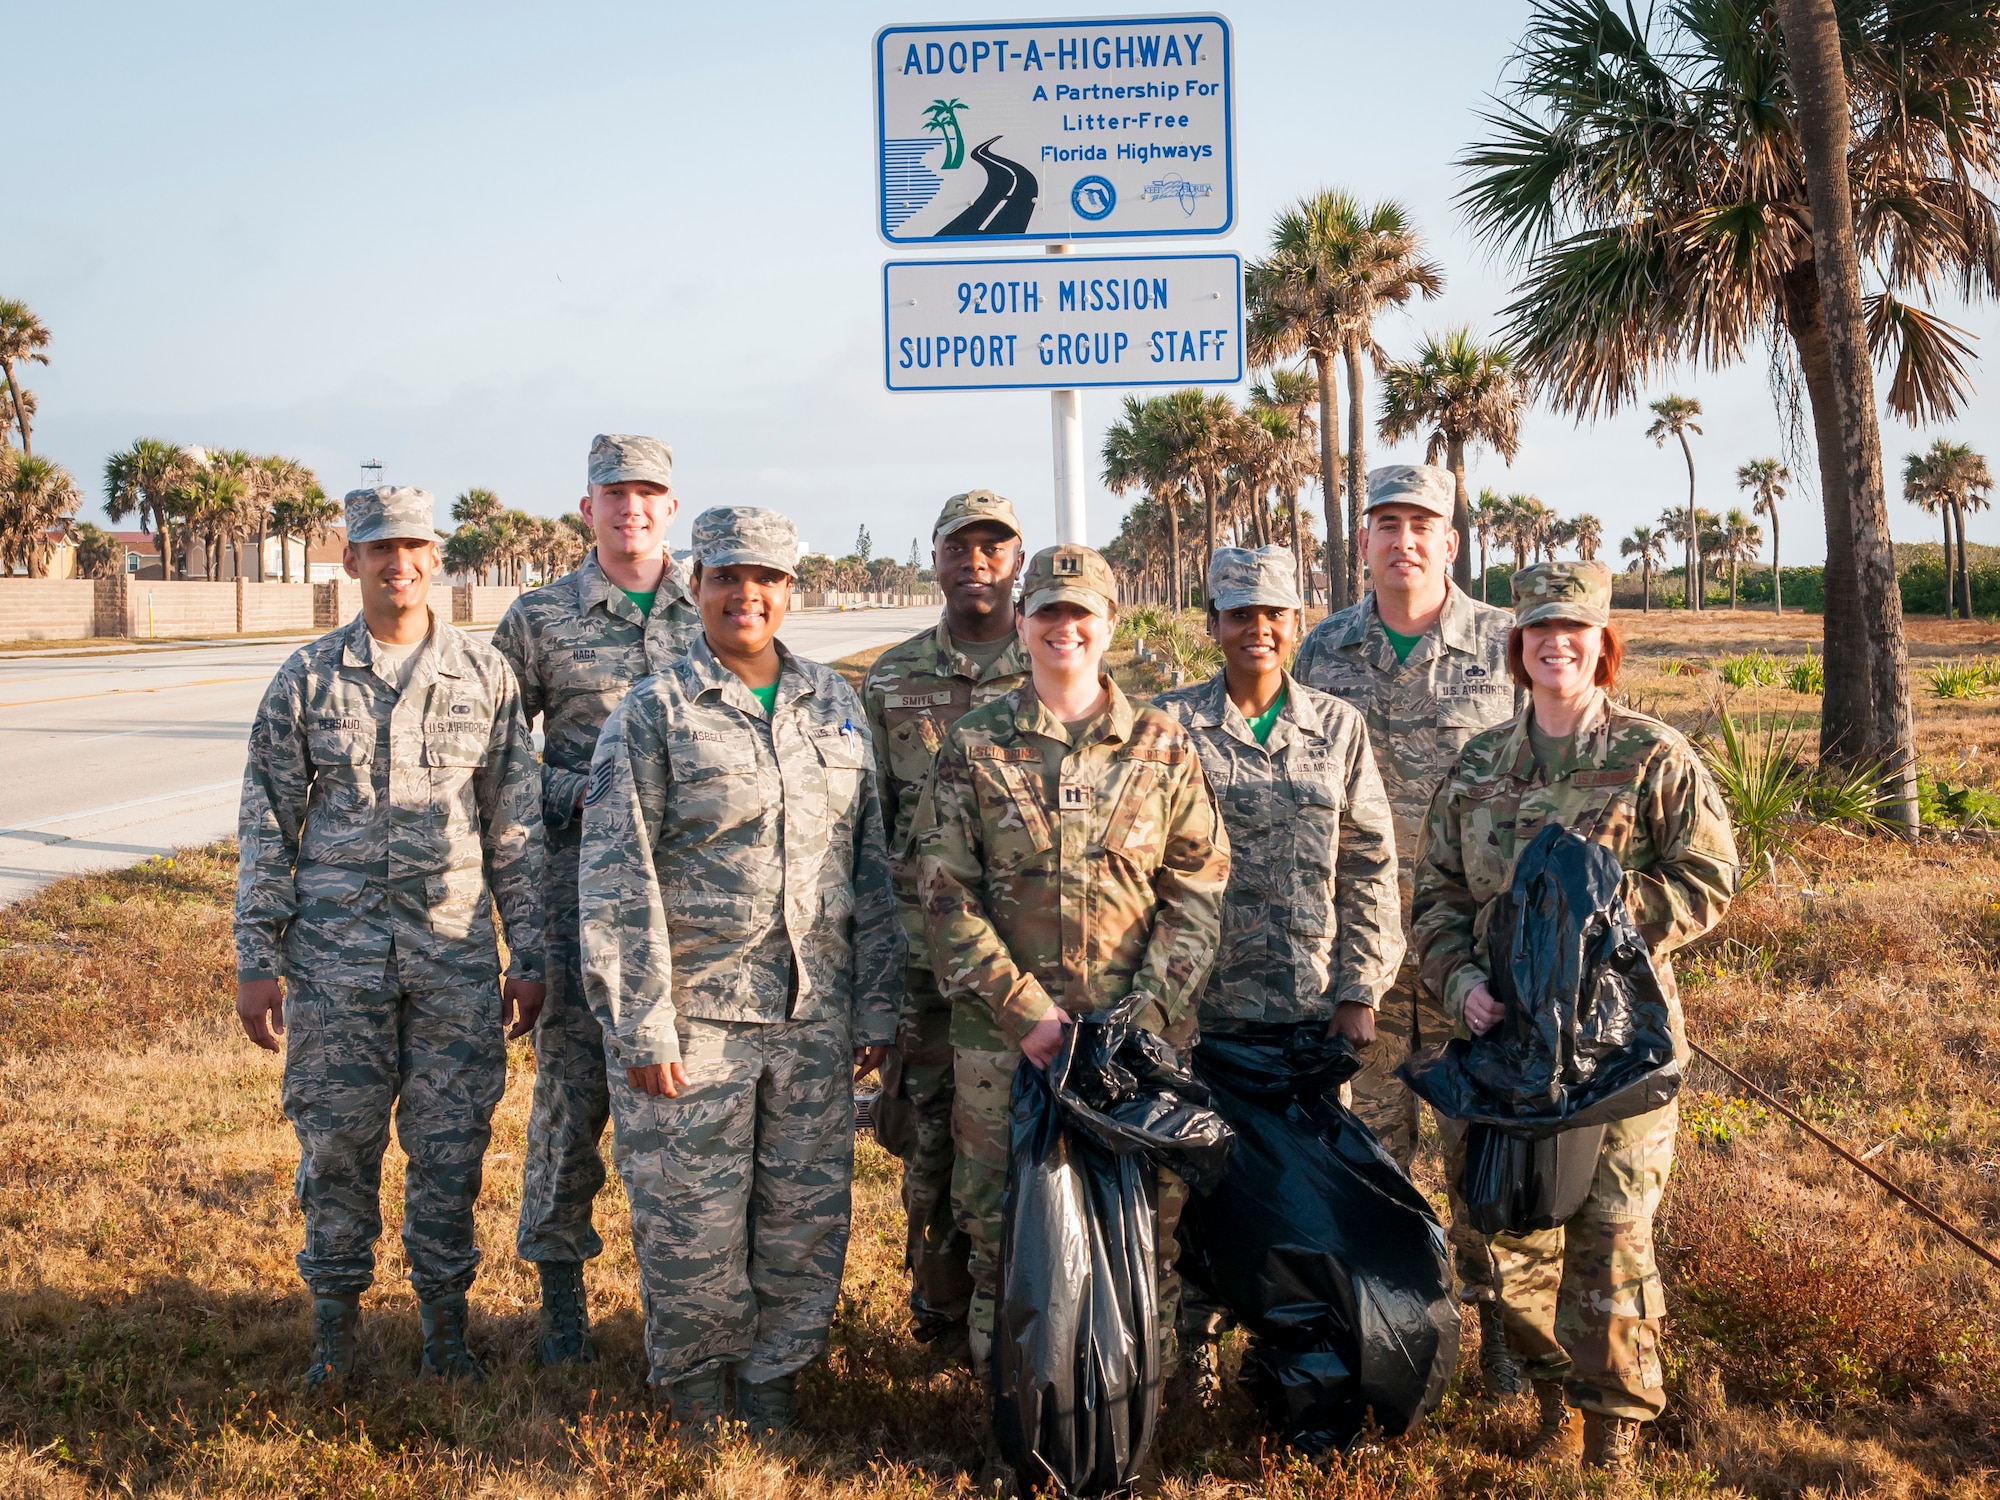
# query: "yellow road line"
x,y
165,687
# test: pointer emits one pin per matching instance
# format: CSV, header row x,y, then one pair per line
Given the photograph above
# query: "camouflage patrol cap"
x,y
1579,591
974,506
1425,486
390,510
746,534
625,458
1237,576
1069,574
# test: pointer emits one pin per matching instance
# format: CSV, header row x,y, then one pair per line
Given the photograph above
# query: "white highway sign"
x,y
1056,130
1062,322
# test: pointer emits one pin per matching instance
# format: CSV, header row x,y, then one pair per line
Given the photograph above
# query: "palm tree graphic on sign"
x,y
942,117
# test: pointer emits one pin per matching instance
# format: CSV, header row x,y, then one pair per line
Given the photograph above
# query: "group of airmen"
x,y
731,887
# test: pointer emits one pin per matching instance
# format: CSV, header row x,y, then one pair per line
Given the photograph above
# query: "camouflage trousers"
x,y
913,1121
984,1066
1583,1303
1410,1019
564,1167
740,1195
434,1058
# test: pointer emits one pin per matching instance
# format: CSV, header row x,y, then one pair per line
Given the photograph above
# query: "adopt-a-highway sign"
x,y
1062,322
1056,130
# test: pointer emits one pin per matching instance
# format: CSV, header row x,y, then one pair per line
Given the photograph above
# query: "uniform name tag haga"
x,y
584,654
1071,797
917,700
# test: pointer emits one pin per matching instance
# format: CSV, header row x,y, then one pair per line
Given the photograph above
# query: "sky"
x,y
460,240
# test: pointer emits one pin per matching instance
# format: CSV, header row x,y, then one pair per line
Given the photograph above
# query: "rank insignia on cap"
x,y
1066,565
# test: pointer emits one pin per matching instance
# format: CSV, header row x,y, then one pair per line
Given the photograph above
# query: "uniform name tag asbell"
x,y
1071,797
917,700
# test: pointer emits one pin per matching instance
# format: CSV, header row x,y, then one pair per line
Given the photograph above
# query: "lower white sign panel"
x,y
1062,322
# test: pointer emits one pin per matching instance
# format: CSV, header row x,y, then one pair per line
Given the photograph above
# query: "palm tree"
x,y
1463,392
1333,268
1767,479
204,500
1674,416
1658,189
1292,393
288,487
22,342
1489,520
1644,546
1139,455
1949,479
942,116
1741,538
1586,533
1526,528
38,497
140,479
97,551
307,514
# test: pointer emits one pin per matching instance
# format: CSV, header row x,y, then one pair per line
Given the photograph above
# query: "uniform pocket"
x,y
914,739
841,763
1137,824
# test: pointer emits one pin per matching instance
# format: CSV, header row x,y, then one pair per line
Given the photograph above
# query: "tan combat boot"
x,y
1610,1444
1555,1440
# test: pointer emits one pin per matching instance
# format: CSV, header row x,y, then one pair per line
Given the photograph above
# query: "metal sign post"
x,y
1066,432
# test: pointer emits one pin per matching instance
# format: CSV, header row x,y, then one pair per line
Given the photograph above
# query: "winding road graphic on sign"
x,y
1006,204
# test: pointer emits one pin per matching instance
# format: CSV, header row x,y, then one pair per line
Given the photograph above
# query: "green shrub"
x,y
1960,679
1807,676
1942,805
1752,669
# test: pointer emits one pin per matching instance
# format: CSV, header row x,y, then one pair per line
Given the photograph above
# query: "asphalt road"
x,y
109,757
1008,201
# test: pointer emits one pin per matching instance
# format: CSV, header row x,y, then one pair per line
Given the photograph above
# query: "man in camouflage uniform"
x,y
576,646
742,953
1427,666
1071,861
915,692
1583,1302
389,801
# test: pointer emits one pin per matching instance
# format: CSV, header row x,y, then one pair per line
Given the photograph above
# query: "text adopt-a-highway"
x,y
1055,130
1062,322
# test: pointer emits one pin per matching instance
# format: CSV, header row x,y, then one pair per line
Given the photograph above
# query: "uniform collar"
x,y
594,586
703,673
1453,631
1211,709
1032,717
1592,739
955,663
445,658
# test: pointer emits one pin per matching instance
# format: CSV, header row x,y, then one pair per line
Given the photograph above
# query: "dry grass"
x,y
1822,1341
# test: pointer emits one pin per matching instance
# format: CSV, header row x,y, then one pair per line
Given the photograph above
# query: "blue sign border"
x,y
1228,134
1063,263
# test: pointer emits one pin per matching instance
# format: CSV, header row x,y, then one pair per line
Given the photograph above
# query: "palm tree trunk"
x,y
1482,567
1329,483
14,393
1950,573
1461,510
1964,564
1646,586
1299,544
1694,529
1357,442
1732,580
1819,84
1174,551
1777,575
284,557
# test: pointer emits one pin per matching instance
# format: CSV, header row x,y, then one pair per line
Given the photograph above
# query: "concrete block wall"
x,y
47,609
335,602
276,608
175,609
480,604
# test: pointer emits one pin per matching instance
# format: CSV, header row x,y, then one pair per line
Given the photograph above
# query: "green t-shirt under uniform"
x,y
985,653
1402,644
644,601
1261,725
1554,753
768,696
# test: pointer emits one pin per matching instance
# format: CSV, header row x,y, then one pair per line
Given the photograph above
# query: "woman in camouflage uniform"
x,y
1582,1303
1070,861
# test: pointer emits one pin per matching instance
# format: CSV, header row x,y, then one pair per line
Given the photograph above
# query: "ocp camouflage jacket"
x,y
1115,890
733,866
914,693
1311,918
371,818
1636,786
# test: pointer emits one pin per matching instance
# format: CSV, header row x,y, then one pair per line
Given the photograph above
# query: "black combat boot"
x,y
335,1320
445,1353
1498,1368
565,1315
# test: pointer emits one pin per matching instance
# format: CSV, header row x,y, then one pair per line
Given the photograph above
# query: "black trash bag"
x,y
1586,1039
1076,1348
1318,1244
1516,1185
